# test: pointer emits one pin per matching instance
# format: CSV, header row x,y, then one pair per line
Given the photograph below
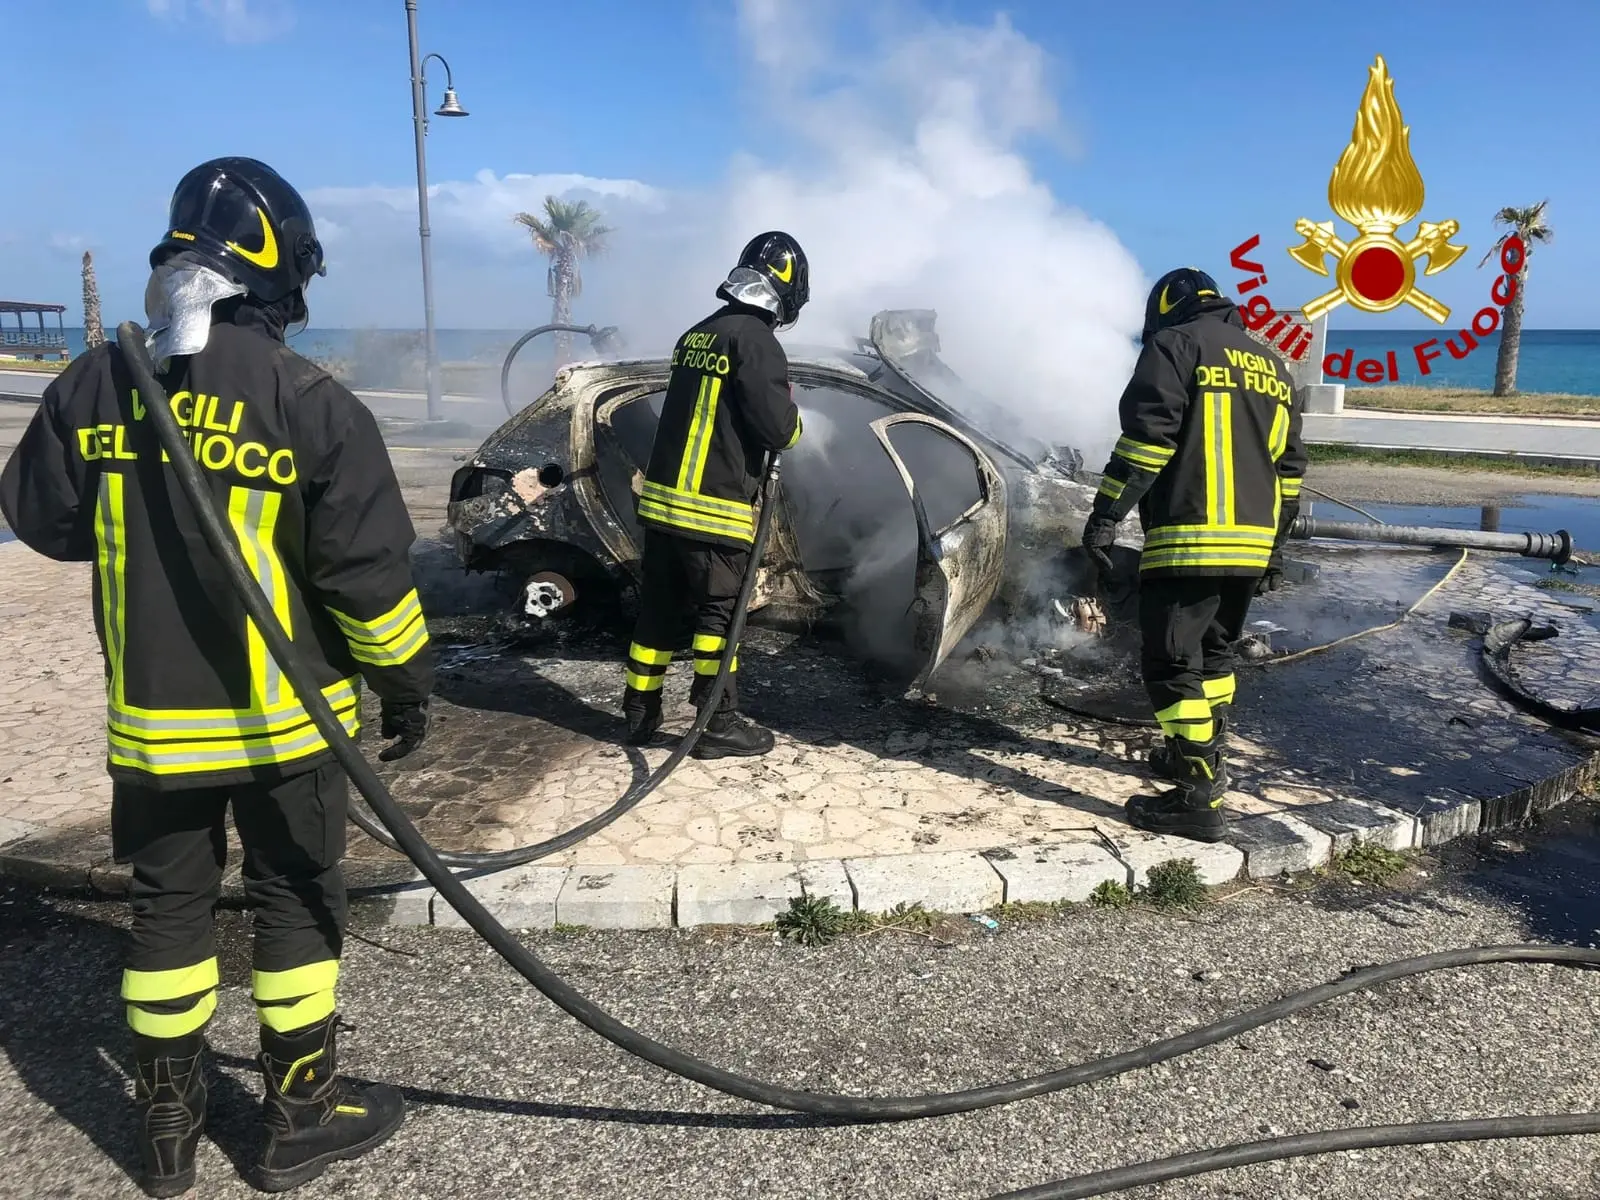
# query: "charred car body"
x,y
909,506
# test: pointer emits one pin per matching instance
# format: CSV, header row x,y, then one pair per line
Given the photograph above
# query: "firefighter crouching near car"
x,y
199,715
1211,453
728,405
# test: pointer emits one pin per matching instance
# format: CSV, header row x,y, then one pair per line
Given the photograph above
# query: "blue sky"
x,y
1181,128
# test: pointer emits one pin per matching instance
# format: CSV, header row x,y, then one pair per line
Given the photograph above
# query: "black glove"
x,y
1272,580
409,723
1099,535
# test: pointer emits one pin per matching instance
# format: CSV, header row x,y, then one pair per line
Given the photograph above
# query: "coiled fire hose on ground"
x,y
131,342
517,856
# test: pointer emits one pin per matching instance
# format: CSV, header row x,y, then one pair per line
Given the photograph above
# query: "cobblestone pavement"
x,y
525,742
1392,737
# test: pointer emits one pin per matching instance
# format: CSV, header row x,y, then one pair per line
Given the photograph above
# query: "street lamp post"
x,y
450,108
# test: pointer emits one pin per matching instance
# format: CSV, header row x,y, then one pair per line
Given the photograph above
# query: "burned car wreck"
x,y
909,507
914,516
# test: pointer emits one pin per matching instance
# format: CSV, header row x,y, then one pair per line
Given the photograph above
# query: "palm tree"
x,y
567,232
1530,225
94,333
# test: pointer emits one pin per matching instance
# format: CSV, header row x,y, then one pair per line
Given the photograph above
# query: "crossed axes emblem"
x,y
1432,242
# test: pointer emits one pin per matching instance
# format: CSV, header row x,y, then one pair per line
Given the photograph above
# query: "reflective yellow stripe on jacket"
x,y
1144,455
697,514
697,446
186,741
275,728
1199,546
391,640
1218,416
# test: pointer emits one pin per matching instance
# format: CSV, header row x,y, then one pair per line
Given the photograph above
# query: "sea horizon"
x,y
1551,360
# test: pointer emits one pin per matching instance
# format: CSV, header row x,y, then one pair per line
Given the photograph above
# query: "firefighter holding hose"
x,y
199,715
1211,455
728,405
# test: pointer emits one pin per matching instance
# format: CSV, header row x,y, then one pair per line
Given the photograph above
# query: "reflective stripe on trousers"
x,y
708,650
171,1004
292,999
647,668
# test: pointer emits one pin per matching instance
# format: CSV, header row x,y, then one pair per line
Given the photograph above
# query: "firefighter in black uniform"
x,y
728,405
199,715
1212,456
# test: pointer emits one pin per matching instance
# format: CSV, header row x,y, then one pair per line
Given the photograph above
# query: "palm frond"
x,y
578,224
1495,249
1527,222
545,237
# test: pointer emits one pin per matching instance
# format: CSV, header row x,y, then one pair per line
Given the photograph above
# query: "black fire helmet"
x,y
777,257
243,218
1175,297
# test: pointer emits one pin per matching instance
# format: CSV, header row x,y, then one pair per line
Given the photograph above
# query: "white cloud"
x,y
67,241
902,174
481,210
238,21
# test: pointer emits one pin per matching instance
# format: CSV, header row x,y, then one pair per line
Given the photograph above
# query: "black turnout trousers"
x,y
1188,625
293,836
687,593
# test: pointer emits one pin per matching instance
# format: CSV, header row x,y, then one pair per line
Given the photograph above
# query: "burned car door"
x,y
959,565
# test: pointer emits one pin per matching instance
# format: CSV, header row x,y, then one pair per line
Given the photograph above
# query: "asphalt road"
x,y
511,1098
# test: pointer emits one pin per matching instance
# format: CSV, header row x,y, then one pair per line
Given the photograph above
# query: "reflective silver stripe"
x,y
250,539
340,696
388,639
397,655
156,757
392,639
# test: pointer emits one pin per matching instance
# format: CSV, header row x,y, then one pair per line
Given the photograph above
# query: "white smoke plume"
x,y
901,173
890,143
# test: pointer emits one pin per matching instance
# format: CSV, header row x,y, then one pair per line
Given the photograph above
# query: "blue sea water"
x,y
1552,360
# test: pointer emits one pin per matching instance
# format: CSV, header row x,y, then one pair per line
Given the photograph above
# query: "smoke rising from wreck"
x,y
892,145
901,173
898,165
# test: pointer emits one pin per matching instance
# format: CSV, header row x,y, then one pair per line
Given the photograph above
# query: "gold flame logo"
x,y
1376,187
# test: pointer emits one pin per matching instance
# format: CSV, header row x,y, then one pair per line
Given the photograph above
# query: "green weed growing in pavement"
x,y
812,921
562,929
1370,863
1174,884
1111,894
902,916
1030,910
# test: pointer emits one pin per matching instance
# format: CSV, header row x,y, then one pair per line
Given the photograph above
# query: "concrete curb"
x,y
660,897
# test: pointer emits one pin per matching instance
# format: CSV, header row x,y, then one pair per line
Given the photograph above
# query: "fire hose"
x,y
131,342
601,338
1556,547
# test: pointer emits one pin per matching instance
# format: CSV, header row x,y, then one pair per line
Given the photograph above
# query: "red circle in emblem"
x,y
1378,274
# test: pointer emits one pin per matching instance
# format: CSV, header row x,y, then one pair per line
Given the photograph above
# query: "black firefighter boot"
x,y
1193,808
313,1116
1164,759
727,734
170,1096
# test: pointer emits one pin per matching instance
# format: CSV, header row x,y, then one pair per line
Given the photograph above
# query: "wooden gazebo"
x,y
26,341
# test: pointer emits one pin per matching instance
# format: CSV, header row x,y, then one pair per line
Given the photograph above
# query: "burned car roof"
x,y
898,514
